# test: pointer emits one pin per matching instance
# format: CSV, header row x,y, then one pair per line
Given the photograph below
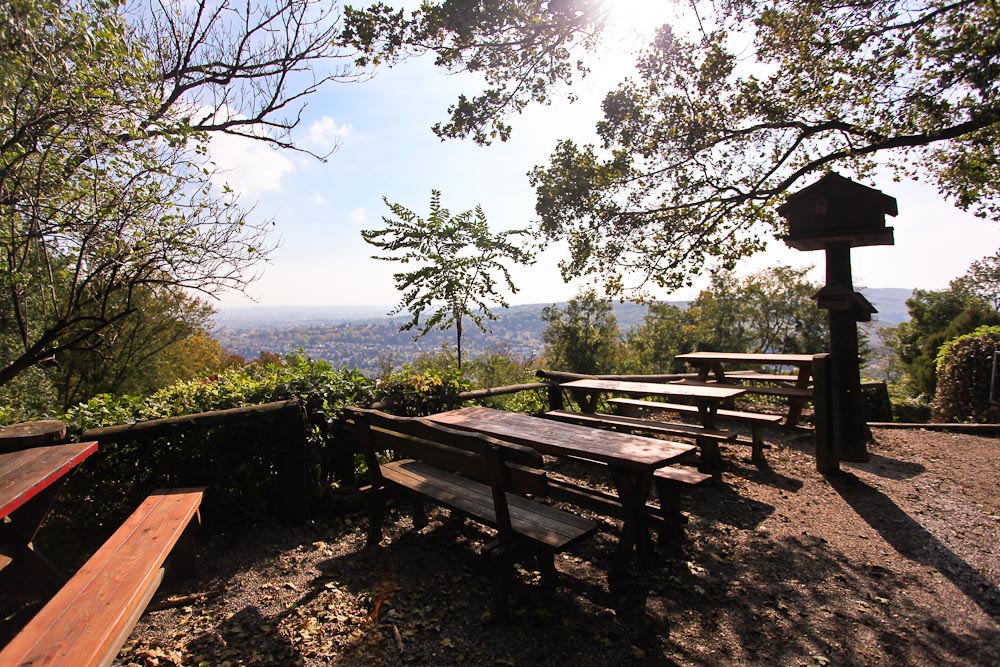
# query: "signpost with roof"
x,y
836,214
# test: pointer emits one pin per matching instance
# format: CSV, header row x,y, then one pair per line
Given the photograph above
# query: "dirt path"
x,y
895,562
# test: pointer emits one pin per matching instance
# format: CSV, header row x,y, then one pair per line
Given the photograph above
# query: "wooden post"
x,y
294,483
849,439
555,396
826,456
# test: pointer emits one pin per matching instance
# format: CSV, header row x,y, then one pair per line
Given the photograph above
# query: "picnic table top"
x,y
561,439
747,358
698,392
27,472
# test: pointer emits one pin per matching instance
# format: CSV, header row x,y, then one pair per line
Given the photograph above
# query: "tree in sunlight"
x,y
583,337
461,266
698,149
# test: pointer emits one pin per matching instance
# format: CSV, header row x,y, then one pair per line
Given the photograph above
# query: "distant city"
x,y
364,337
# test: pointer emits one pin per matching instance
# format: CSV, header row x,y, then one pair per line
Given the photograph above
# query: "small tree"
x,y
584,337
983,280
459,260
660,337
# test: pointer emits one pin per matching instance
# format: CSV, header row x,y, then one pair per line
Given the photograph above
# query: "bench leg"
x,y
376,515
547,566
502,575
670,511
757,455
710,460
181,563
418,511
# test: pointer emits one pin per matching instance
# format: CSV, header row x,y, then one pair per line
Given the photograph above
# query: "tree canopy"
x,y
106,192
717,127
522,49
583,337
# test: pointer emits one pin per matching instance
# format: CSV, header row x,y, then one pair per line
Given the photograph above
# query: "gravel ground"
x,y
892,562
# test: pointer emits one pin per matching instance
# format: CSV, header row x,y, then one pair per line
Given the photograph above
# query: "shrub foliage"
x,y
964,370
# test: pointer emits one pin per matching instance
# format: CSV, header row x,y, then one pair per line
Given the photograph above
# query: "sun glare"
x,y
641,15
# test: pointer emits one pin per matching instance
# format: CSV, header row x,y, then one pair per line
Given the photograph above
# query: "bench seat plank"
x,y
789,392
541,523
762,377
91,616
757,420
664,428
736,415
682,475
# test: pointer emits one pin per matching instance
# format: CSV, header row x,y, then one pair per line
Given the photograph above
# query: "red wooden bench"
x,y
91,616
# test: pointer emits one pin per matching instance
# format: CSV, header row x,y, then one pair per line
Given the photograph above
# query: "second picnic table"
x,y
707,398
712,367
631,460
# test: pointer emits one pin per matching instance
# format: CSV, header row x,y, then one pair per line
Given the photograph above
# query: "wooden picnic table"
x,y
711,367
631,460
706,398
30,479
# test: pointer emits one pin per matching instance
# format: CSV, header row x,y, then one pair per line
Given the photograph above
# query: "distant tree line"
x,y
768,311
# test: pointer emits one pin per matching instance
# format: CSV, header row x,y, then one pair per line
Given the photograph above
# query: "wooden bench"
x,y
477,476
91,616
787,392
666,517
754,376
707,439
755,420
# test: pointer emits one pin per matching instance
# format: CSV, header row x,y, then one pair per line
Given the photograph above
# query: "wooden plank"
x,y
682,475
172,425
554,438
32,434
680,388
662,428
791,392
761,377
87,621
758,358
543,524
735,415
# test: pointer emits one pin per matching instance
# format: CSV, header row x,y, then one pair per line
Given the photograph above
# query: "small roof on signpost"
x,y
835,209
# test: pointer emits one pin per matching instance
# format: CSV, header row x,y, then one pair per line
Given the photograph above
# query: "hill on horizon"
x,y
364,337
890,301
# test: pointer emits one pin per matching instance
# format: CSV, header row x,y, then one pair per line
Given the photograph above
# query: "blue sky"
x,y
386,148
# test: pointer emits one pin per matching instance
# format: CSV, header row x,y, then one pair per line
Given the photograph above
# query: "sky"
x,y
385,148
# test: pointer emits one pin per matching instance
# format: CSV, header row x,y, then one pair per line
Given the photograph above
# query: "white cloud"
x,y
325,134
319,200
358,215
247,165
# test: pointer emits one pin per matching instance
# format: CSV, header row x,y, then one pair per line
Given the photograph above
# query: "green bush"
x,y
413,393
964,371
237,462
908,410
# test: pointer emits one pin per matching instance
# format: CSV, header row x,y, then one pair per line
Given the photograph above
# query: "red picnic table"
x,y
30,479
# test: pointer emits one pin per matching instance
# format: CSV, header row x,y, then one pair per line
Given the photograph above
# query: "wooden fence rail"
x,y
294,483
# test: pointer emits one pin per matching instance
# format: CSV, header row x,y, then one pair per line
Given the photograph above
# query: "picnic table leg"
x,y
710,458
796,404
18,535
720,375
633,489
